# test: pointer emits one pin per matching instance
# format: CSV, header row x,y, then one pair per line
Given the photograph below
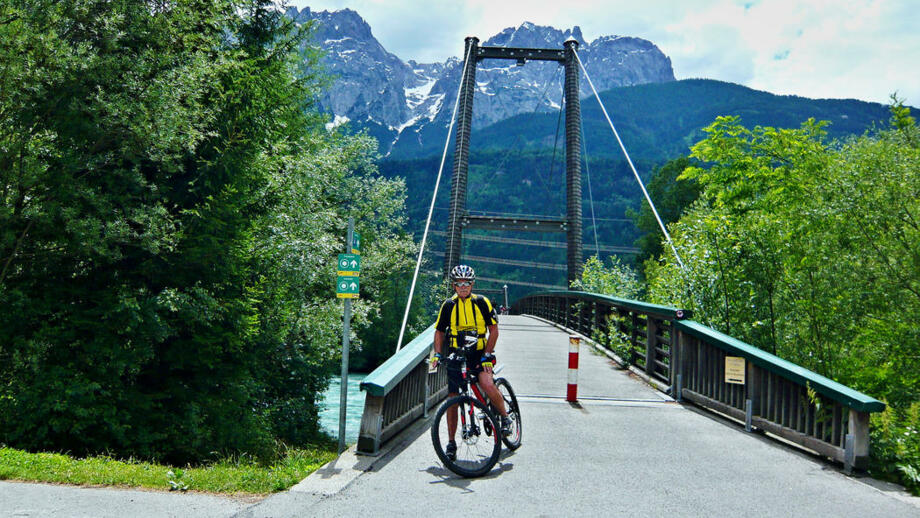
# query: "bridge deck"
x,y
536,355
626,451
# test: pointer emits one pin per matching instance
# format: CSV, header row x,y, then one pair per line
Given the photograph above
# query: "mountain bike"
x,y
478,424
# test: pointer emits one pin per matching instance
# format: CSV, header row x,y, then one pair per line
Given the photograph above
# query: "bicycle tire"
x,y
513,440
478,447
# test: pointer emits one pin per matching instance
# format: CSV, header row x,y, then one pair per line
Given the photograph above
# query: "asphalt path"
x,y
23,500
623,450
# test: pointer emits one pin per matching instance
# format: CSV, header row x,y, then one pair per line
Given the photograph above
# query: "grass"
x,y
232,475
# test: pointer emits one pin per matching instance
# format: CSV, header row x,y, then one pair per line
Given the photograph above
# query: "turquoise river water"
x,y
329,415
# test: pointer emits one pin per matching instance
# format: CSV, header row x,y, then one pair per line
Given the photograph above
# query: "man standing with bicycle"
x,y
465,319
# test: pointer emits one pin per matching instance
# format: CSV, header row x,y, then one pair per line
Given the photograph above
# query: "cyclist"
x,y
465,318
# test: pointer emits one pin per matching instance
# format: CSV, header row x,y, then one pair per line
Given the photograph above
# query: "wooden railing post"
x,y
371,424
857,444
596,312
752,384
634,335
651,340
676,361
566,310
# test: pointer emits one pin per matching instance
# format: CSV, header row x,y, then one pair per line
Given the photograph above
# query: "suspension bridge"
x,y
709,416
681,420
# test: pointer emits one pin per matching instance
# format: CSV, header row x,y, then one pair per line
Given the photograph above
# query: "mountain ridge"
x,y
407,104
516,156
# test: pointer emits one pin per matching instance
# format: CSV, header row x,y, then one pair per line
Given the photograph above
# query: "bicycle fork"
x,y
469,430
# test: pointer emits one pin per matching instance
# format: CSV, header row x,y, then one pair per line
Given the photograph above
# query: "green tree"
x,y
171,209
810,250
618,279
672,195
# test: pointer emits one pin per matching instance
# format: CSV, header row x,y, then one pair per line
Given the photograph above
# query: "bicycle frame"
x,y
471,387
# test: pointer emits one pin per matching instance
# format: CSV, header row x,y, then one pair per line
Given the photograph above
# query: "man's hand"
x,y
487,361
435,360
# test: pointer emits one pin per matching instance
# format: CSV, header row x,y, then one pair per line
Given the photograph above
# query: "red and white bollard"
x,y
571,393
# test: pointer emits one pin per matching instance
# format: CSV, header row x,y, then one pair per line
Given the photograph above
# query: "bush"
x,y
895,443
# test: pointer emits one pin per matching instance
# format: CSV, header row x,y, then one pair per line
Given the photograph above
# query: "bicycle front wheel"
x,y
513,439
476,437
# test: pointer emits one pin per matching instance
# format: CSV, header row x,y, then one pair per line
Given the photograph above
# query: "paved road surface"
x,y
625,450
39,500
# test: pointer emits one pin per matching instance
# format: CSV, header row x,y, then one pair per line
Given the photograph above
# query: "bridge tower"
x,y
459,218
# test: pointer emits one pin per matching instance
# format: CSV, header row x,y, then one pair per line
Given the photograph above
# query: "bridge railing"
x,y
645,328
721,373
399,392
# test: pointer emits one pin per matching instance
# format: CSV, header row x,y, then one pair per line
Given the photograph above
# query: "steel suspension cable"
x,y
584,143
518,138
629,160
437,183
552,164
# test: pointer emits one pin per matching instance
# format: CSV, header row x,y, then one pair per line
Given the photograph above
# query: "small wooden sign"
x,y
734,370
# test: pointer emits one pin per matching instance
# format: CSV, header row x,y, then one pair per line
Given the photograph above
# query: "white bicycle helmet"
x,y
462,271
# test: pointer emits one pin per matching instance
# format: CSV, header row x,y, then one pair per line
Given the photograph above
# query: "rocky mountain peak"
x,y
343,22
408,105
529,35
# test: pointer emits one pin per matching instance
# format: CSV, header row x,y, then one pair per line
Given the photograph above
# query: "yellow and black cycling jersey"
x,y
472,315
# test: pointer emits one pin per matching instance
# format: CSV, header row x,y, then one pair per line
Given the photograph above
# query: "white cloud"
x,y
864,49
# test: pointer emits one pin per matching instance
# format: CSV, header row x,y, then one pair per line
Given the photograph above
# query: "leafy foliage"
x,y
808,249
170,211
618,280
895,439
671,194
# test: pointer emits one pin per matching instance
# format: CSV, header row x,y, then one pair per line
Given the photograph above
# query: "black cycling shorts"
x,y
455,376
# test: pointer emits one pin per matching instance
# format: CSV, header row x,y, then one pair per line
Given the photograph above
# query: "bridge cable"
x,y
552,163
526,215
514,147
437,182
629,160
523,215
584,143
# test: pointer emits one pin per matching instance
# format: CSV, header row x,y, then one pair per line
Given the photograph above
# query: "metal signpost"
x,y
356,243
347,286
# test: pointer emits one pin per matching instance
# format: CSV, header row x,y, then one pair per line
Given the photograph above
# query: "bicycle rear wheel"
x,y
512,440
477,437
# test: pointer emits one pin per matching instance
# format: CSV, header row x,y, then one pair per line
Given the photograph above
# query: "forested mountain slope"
x,y
515,167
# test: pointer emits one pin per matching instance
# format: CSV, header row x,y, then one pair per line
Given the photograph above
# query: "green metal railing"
x,y
721,373
690,359
399,392
776,396
646,328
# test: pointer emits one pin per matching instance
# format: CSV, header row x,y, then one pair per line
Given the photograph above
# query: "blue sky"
x,y
862,49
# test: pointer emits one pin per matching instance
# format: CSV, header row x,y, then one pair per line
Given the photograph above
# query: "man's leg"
x,y
454,379
488,386
452,418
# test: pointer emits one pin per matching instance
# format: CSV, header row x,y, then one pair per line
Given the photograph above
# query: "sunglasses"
x,y
463,284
